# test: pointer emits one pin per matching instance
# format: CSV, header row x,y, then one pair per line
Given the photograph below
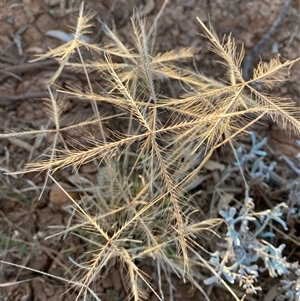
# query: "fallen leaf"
x,y
58,196
214,165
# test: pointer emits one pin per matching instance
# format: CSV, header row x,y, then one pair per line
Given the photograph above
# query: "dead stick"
x,y
7,99
253,53
28,67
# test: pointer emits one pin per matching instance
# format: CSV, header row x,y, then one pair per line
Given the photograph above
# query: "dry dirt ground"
x,y
25,220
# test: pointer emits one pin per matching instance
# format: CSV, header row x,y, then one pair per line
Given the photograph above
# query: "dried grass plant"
x,y
142,206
